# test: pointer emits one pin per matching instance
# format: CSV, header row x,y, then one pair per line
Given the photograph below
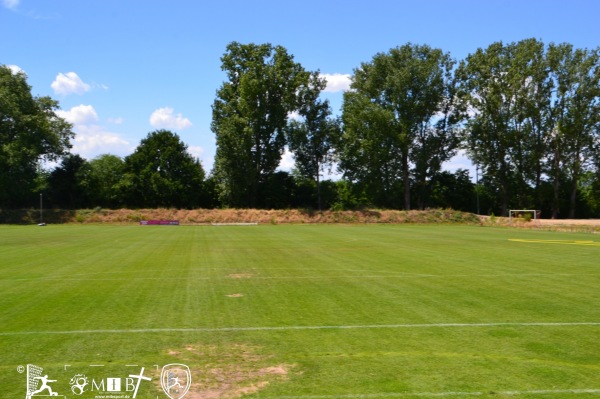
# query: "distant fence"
x,y
159,222
32,216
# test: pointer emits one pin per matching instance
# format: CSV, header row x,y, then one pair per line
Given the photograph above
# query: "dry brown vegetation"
x,y
208,216
568,225
287,216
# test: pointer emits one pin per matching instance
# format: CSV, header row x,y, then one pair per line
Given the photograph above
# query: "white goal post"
x,y
517,212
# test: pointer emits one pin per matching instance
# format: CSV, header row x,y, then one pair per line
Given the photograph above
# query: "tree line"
x,y
526,114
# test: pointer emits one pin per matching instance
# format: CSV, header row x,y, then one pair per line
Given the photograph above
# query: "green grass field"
x,y
305,311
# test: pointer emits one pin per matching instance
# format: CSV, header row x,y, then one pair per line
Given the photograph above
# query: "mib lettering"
x,y
113,385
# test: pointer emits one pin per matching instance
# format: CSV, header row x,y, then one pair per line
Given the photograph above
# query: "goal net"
x,y
525,215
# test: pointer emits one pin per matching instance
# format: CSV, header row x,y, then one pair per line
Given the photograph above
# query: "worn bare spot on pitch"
x,y
229,371
240,275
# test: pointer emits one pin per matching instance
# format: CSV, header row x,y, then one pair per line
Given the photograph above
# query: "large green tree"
x,y
573,144
103,179
534,120
66,183
505,88
369,151
397,114
314,136
30,133
162,173
250,114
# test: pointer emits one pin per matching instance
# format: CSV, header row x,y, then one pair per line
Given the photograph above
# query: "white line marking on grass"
x,y
290,328
105,278
441,394
415,275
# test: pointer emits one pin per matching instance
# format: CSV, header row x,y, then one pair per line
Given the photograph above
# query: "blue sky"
x,y
123,68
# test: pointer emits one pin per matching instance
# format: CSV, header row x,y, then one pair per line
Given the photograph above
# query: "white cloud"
x,y
332,174
79,115
196,151
100,86
11,4
336,82
92,139
69,83
15,69
294,115
116,121
287,161
460,161
165,118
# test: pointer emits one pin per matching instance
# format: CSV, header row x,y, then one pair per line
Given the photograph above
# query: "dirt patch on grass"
x,y
228,371
240,275
235,295
278,370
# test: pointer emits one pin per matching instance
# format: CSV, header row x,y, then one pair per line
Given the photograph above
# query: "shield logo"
x,y
175,380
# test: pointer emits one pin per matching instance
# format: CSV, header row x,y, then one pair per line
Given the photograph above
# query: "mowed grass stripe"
x,y
136,276
304,302
177,270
